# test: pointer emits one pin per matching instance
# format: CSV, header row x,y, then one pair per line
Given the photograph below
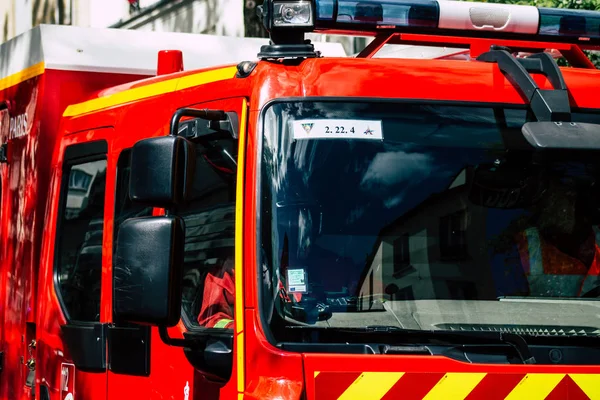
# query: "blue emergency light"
x,y
287,20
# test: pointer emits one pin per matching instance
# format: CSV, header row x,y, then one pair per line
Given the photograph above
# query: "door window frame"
x,y
75,154
234,105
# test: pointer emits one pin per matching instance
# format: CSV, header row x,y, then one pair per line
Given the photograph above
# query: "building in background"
x,y
218,17
429,253
18,16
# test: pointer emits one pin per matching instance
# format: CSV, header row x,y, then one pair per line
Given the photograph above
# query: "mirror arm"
x,y
210,115
164,336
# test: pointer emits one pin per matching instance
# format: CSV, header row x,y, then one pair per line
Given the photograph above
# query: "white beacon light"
x,y
292,13
462,15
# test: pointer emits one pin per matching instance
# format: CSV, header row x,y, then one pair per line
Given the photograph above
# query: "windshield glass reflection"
x,y
416,216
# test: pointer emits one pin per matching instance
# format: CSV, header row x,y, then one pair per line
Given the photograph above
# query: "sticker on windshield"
x,y
338,129
296,280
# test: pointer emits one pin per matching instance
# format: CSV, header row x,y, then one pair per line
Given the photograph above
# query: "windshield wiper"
x,y
520,345
512,339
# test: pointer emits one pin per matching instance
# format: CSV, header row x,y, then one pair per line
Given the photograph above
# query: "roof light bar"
x,y
439,17
582,25
488,17
471,18
373,14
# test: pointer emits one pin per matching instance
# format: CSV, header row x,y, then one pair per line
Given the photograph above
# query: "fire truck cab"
x,y
303,226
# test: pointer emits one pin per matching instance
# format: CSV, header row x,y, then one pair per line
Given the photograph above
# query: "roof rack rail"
x,y
546,104
573,53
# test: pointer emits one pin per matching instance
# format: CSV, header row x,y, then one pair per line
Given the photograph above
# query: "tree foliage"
x,y
253,27
570,4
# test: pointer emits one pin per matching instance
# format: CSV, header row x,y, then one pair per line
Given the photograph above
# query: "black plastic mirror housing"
x,y
211,354
162,171
562,135
148,271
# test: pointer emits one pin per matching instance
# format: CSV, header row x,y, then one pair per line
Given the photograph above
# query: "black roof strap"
x,y
546,104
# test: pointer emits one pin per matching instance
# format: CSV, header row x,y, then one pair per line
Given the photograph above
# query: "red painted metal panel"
x,y
25,186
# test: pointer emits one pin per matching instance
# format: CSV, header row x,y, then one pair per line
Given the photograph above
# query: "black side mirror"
x,y
561,136
162,171
148,273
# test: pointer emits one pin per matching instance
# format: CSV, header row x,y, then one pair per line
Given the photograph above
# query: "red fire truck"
x,y
303,226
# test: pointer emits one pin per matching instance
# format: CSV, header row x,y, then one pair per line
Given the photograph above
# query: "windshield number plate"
x,y
338,129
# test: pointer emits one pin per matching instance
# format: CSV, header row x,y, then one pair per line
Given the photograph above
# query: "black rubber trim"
x,y
44,392
86,344
129,350
277,51
86,149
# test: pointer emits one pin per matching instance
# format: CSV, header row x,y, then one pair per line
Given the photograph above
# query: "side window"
x,y
79,239
124,207
208,294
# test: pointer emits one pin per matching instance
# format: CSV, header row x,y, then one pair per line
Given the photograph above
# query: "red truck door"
x,y
140,365
210,218
72,326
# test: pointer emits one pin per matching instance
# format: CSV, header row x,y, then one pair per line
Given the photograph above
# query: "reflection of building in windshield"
x,y
429,253
81,181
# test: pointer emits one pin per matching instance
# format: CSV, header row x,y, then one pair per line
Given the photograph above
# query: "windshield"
x,y
417,216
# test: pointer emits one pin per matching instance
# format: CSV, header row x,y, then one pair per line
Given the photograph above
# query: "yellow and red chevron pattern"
x,y
455,386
